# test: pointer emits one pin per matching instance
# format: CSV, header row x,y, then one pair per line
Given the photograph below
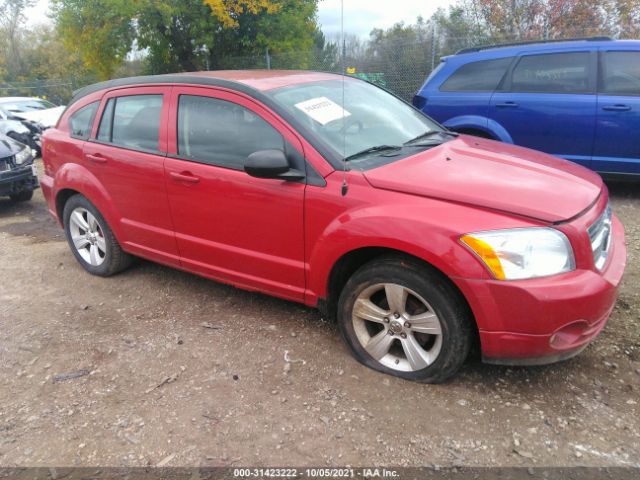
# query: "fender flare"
x,y
376,230
72,176
477,122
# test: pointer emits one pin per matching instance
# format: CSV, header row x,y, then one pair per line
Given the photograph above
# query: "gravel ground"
x,y
159,366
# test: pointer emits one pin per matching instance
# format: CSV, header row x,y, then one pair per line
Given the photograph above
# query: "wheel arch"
x,y
351,261
477,123
73,179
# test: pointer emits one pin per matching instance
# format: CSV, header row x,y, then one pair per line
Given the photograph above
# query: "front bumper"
x,y
545,320
18,180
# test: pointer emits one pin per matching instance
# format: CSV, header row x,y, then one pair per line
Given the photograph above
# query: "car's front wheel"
x,y
91,240
402,318
23,196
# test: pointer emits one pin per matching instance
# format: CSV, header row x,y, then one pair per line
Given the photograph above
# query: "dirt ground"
x,y
179,370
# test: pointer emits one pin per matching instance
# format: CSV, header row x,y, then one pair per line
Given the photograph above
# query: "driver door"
x,y
229,226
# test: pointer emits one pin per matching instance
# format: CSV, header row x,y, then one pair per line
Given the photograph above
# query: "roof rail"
x,y
532,42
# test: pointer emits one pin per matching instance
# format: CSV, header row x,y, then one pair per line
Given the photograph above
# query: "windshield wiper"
x,y
431,133
377,148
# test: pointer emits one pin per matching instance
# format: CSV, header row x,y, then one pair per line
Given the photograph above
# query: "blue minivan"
x,y
577,99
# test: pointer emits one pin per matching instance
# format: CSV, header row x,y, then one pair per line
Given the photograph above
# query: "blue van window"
x,y
552,73
482,76
621,73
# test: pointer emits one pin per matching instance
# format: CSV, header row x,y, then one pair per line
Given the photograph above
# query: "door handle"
x,y
507,105
616,108
186,177
96,158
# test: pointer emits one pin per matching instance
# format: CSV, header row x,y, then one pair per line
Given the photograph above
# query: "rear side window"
x,y
80,122
621,73
222,133
132,122
552,73
483,76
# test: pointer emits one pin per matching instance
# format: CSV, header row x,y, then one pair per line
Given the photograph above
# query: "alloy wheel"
x,y
87,236
397,327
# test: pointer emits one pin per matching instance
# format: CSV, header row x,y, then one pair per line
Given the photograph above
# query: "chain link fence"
x,y
399,67
56,91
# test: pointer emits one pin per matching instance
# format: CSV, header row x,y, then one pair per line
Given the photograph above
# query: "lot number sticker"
x,y
322,110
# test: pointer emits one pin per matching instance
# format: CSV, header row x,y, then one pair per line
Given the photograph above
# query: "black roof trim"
x,y
533,42
185,79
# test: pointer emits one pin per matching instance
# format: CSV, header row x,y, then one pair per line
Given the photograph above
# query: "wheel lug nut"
x,y
403,335
390,333
396,315
386,319
407,325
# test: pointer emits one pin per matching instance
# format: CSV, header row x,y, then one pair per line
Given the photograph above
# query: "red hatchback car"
x,y
417,240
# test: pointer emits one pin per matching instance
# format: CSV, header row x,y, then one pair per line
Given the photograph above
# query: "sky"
x,y
360,16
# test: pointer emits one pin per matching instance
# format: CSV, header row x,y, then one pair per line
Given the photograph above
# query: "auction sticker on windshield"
x,y
322,110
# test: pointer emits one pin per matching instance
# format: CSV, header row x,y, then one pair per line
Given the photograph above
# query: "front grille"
x,y
600,236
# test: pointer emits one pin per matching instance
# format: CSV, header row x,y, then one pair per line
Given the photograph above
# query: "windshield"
x,y
21,106
372,117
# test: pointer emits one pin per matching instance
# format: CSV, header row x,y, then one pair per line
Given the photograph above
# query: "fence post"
x,y
268,58
433,47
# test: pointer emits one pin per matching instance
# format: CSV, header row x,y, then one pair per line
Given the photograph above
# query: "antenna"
x,y
345,186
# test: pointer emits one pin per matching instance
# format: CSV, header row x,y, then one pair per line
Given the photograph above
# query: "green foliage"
x,y
101,31
177,35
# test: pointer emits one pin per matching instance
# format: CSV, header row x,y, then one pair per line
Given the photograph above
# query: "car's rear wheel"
x,y
23,196
91,240
405,319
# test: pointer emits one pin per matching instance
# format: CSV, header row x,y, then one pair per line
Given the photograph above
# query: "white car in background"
x,y
24,119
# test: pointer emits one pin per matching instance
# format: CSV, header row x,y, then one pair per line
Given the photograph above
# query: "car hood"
x,y
8,146
494,175
47,118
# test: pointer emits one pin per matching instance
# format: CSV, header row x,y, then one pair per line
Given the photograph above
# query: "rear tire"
x,y
23,196
91,240
403,318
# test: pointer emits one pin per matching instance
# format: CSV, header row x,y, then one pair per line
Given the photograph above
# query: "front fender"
x,y
483,124
409,234
72,176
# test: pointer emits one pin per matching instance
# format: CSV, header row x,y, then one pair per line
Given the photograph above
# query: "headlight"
x,y
522,253
23,156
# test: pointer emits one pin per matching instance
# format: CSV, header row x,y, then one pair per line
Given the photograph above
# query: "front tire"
x,y
404,319
91,240
23,196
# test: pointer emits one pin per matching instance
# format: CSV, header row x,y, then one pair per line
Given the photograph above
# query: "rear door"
x,y
549,103
617,144
229,226
127,155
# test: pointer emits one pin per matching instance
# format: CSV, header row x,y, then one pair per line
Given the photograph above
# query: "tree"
x,y
12,16
177,35
513,20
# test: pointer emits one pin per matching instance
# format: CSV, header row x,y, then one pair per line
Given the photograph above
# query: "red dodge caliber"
x,y
331,192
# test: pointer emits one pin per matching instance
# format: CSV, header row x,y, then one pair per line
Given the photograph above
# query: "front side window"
x,y
620,73
132,122
218,132
483,76
552,73
80,122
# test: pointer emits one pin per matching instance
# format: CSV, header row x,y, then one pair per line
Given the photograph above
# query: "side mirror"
x,y
270,164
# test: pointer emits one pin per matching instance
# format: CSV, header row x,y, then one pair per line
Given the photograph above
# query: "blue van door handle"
x,y
507,105
617,108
